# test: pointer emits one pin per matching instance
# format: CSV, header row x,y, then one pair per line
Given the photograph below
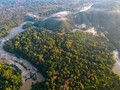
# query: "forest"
x,y
14,12
10,77
68,61
9,18
105,19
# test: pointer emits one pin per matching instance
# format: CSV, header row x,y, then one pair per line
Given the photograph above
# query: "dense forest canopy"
x,y
10,77
68,61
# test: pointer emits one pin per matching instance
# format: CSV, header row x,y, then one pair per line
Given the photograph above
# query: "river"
x,y
116,67
22,64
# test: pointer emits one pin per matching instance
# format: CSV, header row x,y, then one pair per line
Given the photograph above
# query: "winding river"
x,y
11,59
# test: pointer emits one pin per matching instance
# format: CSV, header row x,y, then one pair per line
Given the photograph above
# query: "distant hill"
x,y
101,14
106,18
60,22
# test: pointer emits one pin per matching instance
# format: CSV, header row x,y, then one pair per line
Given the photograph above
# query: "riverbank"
x,y
116,67
26,68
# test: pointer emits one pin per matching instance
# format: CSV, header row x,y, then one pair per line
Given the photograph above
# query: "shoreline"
x,y
116,67
22,64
